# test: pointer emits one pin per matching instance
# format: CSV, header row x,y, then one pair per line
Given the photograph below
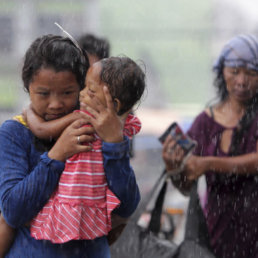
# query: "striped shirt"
x,y
82,204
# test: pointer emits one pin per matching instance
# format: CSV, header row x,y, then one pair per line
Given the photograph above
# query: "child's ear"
x,y
117,105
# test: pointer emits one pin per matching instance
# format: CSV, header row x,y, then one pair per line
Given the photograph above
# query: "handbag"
x,y
196,242
140,242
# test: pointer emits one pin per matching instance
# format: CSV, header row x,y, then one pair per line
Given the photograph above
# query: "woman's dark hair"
x,y
55,52
219,82
125,80
93,45
243,126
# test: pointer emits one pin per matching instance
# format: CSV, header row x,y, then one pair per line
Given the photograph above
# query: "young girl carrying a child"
x,y
81,206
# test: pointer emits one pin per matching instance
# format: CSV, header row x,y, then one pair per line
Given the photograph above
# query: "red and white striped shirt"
x,y
81,206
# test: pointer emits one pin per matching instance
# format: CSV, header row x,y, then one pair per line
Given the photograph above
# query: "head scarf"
x,y
241,51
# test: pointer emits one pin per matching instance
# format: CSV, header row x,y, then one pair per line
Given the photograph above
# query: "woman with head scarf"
x,y
227,152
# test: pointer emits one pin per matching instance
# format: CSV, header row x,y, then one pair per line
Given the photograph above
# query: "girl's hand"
x,y
70,141
172,154
107,124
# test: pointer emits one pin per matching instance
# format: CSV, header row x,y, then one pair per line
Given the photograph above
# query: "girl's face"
x,y
53,94
242,83
93,86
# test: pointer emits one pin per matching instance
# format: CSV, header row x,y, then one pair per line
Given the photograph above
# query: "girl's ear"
x,y
117,105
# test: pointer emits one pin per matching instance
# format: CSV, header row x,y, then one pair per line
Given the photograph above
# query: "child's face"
x,y
53,94
93,86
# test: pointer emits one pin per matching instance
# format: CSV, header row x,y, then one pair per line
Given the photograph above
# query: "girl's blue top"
x,y
27,179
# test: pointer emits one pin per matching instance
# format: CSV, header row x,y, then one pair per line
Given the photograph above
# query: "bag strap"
x,y
196,227
154,225
146,201
192,220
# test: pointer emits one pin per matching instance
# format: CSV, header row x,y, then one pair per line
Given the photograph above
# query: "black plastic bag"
x,y
192,249
139,242
196,242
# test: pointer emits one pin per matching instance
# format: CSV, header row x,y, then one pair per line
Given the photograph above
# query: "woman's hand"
x,y
174,157
107,124
194,167
70,141
172,154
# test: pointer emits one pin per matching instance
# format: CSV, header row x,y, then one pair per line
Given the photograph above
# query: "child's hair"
x,y
55,52
93,45
125,80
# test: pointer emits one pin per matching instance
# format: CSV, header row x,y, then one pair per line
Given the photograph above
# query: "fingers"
x,y
97,106
27,110
85,130
85,133
84,148
83,106
85,116
177,155
93,112
24,113
169,145
172,147
173,154
80,139
179,151
79,123
166,142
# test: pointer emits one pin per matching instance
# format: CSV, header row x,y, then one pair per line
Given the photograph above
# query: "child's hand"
x,y
107,124
50,129
26,112
77,115
83,106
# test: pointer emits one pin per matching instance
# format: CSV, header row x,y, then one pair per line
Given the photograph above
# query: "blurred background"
x,y
176,43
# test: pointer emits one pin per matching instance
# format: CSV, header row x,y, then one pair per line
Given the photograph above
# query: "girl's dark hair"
x,y
55,52
125,80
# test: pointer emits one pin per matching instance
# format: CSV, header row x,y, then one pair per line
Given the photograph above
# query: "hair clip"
x,y
69,36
